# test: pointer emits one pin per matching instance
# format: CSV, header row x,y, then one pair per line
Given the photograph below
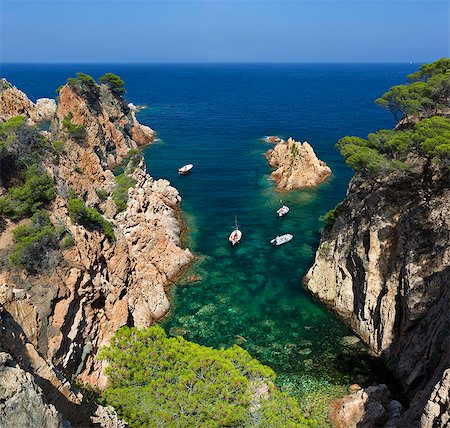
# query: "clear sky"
x,y
224,31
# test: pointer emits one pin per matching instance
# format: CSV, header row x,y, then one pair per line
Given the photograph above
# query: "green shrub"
x,y
176,383
33,242
89,217
102,194
78,133
120,191
9,128
330,217
115,83
68,242
79,170
24,200
58,147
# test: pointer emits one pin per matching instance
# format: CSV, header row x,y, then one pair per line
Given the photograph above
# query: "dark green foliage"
x,y
157,381
361,157
33,242
441,66
429,91
79,170
120,191
115,83
433,137
8,130
78,133
102,194
83,85
387,150
330,217
89,217
25,199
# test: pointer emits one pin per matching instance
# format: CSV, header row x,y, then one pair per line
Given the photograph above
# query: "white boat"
x,y
279,240
236,235
283,211
185,169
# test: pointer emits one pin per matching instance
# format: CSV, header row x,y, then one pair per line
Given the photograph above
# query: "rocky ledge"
x,y
296,165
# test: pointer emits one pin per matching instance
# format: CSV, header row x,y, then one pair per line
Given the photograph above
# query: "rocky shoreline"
x,y
383,266
54,321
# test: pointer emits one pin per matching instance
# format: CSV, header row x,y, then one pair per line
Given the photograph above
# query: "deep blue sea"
x,y
216,116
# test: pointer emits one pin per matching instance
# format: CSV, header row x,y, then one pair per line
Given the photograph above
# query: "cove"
x,y
251,295
215,116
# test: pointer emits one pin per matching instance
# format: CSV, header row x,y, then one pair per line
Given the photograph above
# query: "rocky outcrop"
x,y
384,266
14,102
296,165
22,403
65,314
367,408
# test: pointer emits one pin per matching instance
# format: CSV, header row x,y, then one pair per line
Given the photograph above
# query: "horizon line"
x,y
204,62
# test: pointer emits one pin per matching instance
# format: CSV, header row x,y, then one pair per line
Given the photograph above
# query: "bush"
x,y
78,133
36,190
176,383
9,128
102,194
120,191
330,217
33,242
115,83
89,217
68,242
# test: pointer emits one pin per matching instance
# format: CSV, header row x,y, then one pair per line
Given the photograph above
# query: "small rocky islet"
x,y
296,165
101,260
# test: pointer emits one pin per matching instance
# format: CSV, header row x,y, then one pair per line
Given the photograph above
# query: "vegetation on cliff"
x,y
428,92
89,217
388,150
177,383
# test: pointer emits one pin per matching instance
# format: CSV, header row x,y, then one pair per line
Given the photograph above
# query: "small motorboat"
x,y
283,211
236,235
279,240
185,169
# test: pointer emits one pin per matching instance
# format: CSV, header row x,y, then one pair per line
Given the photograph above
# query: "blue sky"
x,y
224,31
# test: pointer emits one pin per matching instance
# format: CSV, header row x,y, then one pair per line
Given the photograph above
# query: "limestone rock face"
x,y
297,166
63,315
22,403
384,266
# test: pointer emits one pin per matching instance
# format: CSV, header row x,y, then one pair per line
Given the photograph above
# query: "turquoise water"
x,y
216,117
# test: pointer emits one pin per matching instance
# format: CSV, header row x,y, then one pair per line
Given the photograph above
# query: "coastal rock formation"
x,y
367,408
22,403
297,166
14,102
384,266
58,318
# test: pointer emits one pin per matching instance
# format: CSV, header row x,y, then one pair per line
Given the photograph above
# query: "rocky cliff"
x,y
296,165
384,266
55,318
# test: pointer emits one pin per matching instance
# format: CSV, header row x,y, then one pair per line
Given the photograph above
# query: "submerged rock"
x,y
297,166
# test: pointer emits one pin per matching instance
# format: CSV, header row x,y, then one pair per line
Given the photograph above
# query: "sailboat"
x,y
236,235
